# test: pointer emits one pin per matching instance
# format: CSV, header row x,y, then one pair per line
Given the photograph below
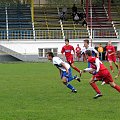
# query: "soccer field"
x,y
34,91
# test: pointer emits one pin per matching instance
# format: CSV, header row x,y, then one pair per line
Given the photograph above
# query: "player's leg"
x,y
118,70
75,68
116,64
64,77
70,77
71,62
118,74
108,79
64,80
111,67
95,87
115,86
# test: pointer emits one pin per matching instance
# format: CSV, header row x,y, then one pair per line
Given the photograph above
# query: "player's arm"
x,y
97,63
91,70
82,51
73,51
63,64
88,70
60,73
113,53
97,53
106,53
62,51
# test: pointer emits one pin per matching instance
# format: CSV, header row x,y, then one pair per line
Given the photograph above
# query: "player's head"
x,y
109,42
67,41
88,53
100,45
78,45
50,55
86,43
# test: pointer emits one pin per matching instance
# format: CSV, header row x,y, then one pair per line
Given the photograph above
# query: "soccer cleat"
x,y
103,83
97,96
77,78
74,91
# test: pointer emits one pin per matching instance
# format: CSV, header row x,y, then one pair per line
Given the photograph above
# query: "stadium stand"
x,y
47,24
47,18
115,13
19,17
2,22
2,18
102,27
15,22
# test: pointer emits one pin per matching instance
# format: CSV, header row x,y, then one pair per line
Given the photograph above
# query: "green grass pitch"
x,y
34,91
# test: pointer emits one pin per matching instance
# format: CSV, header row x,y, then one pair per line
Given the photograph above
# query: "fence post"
x,y
7,23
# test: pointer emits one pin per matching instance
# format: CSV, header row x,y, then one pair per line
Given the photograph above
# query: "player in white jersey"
x,y
92,49
65,71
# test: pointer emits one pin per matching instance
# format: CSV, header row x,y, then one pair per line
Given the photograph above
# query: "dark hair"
x,y
50,54
88,52
67,40
87,41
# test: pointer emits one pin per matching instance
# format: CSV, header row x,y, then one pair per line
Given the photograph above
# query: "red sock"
x,y
117,88
111,67
95,87
75,68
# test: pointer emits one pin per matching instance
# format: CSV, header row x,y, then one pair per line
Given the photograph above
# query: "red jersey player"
x,y
78,52
110,53
100,72
67,49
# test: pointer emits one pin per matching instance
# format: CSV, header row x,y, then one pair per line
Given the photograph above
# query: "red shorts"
x,y
70,59
104,75
112,58
78,55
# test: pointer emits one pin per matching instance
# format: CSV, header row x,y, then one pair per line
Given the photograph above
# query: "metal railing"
x,y
55,34
105,33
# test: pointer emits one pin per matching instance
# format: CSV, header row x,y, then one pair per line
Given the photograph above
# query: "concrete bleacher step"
x,y
19,17
48,19
115,16
100,23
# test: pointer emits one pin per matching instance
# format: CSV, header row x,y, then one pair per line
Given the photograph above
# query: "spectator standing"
x,y
63,13
64,9
84,23
100,50
74,9
76,19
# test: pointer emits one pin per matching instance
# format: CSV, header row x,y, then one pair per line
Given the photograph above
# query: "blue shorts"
x,y
67,75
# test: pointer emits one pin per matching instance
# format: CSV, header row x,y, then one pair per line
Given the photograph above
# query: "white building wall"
x,y
31,47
